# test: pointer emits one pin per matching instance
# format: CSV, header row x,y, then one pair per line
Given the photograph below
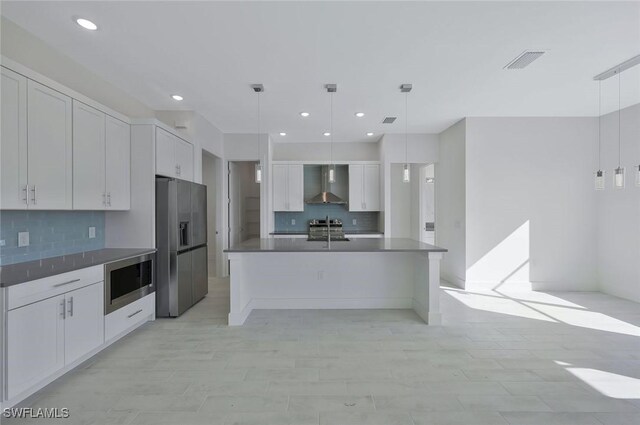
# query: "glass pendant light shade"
x,y
332,173
638,175
258,173
618,178
406,175
599,182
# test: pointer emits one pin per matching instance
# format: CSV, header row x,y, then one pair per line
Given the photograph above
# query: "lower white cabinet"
x,y
36,348
129,316
45,336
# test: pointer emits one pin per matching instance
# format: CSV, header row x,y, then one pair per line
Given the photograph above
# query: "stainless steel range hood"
x,y
326,196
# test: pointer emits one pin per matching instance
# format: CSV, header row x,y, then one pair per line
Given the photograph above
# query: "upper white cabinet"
x,y
288,187
174,156
364,187
88,158
49,152
13,161
101,157
118,164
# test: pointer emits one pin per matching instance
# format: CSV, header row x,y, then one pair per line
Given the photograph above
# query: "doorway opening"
x,y
413,203
212,178
244,202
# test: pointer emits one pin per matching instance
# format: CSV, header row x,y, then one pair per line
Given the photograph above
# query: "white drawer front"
x,y
40,289
129,316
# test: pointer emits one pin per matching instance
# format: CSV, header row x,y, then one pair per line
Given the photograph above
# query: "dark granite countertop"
x,y
346,232
14,274
354,245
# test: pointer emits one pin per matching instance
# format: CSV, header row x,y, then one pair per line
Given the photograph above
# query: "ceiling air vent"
x,y
388,120
524,60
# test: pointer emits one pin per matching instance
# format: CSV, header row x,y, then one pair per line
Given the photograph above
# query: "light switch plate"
x,y
92,232
23,239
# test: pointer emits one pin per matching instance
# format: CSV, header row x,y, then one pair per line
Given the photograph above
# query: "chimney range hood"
x,y
326,196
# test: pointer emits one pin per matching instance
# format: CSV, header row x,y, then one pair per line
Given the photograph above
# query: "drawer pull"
x,y
66,283
133,314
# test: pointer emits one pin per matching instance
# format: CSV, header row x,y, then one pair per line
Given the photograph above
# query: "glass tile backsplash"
x,y
365,221
51,234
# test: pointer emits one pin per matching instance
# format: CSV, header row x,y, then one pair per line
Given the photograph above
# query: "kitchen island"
x,y
361,273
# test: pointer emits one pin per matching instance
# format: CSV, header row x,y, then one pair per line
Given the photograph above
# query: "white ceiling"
x,y
453,53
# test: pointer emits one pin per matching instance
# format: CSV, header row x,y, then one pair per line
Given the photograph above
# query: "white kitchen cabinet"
x,y
184,160
174,156
45,336
364,187
88,158
118,164
49,153
13,139
35,349
84,322
101,160
288,187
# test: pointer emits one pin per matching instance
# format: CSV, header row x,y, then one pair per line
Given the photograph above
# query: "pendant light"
x,y
618,173
600,179
258,89
331,89
406,173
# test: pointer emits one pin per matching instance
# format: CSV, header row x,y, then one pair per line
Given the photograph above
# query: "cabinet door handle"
x,y
33,189
66,283
26,194
104,199
109,199
63,313
71,307
133,314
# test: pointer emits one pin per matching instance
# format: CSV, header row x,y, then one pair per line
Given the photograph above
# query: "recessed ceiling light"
x,y
359,114
369,134
283,134
176,97
86,24
304,114
326,133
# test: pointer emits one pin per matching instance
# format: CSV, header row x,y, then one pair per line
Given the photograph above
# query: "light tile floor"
x,y
519,358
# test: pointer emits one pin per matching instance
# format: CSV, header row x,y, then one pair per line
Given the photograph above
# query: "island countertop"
x,y
354,245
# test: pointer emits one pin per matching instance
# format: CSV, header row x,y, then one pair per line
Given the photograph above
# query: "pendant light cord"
x,y
619,126
406,120
259,128
599,124
331,129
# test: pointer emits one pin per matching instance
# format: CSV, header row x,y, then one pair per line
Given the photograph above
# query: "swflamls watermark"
x,y
36,412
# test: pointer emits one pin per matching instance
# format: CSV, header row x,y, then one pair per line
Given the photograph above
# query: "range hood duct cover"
x,y
326,196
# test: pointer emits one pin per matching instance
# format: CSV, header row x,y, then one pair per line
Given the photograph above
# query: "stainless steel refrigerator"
x,y
181,241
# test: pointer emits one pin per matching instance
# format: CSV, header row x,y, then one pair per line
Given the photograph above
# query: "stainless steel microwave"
x,y
128,280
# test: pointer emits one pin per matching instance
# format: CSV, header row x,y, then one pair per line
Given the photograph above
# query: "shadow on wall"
x,y
506,264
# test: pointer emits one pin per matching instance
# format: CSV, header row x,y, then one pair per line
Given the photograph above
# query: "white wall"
x,y
32,52
618,211
451,204
320,151
530,203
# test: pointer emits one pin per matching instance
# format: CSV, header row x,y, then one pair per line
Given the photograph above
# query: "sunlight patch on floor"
x,y
608,383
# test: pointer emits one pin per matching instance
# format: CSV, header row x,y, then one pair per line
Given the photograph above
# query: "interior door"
x,y
200,273
185,282
88,158
49,148
13,139
84,325
118,164
235,205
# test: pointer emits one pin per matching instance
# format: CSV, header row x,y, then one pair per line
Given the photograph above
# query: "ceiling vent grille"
x,y
389,120
524,60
